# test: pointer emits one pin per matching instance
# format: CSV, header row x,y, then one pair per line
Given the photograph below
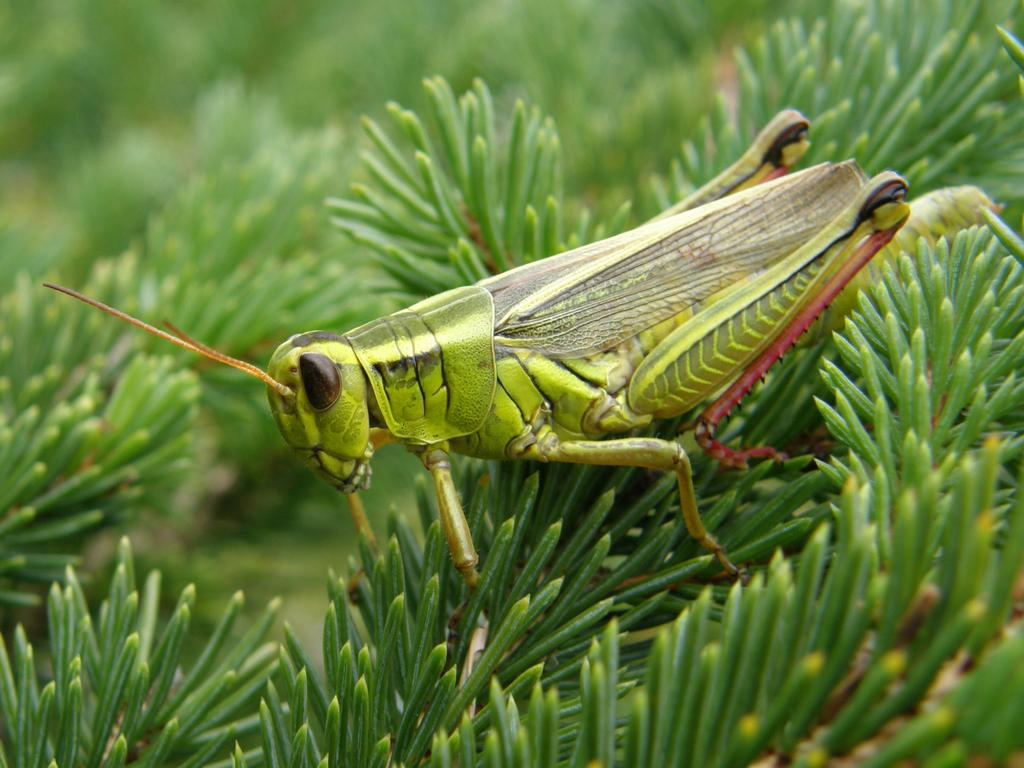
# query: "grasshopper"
x,y
561,359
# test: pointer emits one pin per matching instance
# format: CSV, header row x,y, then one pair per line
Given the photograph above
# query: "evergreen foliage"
x,y
882,620
934,104
119,691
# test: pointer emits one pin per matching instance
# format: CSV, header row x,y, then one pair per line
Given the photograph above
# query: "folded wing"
x,y
591,298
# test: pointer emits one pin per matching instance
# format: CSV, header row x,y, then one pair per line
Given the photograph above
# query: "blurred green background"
x,y
155,128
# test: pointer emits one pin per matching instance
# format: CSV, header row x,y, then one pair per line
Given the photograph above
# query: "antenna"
x,y
179,339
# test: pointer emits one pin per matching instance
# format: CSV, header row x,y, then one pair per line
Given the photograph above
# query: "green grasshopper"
x,y
543,361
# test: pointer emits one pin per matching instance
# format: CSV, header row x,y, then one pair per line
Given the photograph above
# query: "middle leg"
x,y
645,452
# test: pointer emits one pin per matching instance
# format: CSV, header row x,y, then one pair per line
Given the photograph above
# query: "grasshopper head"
x,y
325,419
317,392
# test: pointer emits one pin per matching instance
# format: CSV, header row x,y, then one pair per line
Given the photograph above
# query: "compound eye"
x,y
894,191
320,379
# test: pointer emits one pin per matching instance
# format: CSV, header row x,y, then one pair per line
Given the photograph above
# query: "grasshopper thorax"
x,y
326,421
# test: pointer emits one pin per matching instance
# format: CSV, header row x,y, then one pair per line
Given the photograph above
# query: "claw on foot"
x,y
728,457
